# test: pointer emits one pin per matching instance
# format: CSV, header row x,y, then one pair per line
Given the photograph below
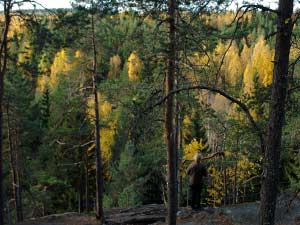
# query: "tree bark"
x,y
99,176
225,187
235,190
169,119
276,114
176,147
86,170
177,127
13,154
19,174
1,150
3,63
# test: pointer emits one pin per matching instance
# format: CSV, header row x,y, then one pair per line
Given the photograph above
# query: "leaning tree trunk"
x,y
271,162
169,119
99,176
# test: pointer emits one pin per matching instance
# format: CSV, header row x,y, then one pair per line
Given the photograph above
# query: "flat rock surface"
x,y
288,213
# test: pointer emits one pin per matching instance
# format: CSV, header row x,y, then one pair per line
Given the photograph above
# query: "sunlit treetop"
x,y
64,62
134,66
115,66
260,64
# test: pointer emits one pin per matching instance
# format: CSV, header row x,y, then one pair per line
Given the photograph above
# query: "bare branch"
x,y
60,143
236,19
244,9
250,179
244,108
33,3
258,6
293,89
221,154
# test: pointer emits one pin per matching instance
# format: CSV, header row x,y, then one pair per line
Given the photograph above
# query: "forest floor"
x,y
288,213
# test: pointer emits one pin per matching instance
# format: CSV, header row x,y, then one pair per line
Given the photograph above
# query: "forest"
x,y
105,105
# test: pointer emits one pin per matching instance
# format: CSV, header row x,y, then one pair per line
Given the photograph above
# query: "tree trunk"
x,y
3,63
176,147
276,114
99,176
79,199
1,150
86,169
13,155
225,187
235,189
169,120
177,130
180,149
19,207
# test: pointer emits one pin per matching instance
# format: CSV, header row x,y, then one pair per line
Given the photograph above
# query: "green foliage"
x,y
48,89
45,108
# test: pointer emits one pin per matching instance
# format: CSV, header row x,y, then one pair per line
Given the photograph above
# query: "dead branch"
x,y
244,108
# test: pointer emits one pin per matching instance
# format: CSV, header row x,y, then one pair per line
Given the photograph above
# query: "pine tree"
x,y
45,108
277,113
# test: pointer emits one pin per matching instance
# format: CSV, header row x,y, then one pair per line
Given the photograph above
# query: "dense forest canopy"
x,y
49,106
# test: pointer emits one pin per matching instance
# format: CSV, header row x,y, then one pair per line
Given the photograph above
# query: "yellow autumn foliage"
x,y
215,191
225,19
294,53
245,56
134,66
192,148
195,146
198,59
248,79
115,66
186,120
251,62
219,20
235,166
78,54
239,172
107,133
105,107
61,65
247,168
64,62
233,65
232,68
25,55
107,140
263,58
42,83
260,64
16,26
